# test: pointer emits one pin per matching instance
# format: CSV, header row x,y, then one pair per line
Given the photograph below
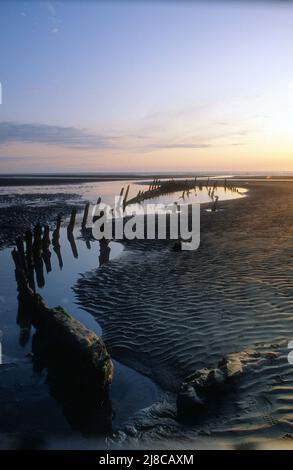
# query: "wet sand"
x,y
169,314
19,212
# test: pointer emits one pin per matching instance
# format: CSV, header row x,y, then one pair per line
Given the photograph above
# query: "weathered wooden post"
x,y
214,206
20,248
30,258
125,197
56,233
46,237
29,245
101,213
37,243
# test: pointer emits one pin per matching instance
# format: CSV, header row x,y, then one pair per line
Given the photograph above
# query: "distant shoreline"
x,y
45,180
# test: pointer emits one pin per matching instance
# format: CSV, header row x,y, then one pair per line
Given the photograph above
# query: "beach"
x,y
164,315
180,312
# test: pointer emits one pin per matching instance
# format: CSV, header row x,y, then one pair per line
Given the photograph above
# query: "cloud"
x,y
71,137
13,132
177,146
81,139
5,158
53,18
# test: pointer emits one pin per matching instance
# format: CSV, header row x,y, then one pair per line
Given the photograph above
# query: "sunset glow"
x,y
142,87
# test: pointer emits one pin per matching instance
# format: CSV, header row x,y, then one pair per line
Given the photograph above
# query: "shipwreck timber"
x,y
79,367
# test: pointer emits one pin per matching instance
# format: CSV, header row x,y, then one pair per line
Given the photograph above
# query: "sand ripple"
x,y
168,314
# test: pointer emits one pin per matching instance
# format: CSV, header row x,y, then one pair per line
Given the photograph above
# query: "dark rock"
x,y
208,384
188,401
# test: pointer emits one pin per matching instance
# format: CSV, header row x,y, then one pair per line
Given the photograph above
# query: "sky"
x,y
146,86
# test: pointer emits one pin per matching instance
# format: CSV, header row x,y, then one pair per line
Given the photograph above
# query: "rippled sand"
x,y
168,314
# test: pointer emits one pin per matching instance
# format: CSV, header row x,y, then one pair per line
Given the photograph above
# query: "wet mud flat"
x,y
19,212
41,402
170,314
25,386
170,318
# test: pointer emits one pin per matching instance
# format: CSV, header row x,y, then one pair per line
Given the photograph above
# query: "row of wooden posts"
x,y
158,187
38,241
155,189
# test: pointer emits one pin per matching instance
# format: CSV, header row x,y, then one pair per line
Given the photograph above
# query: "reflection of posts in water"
x,y
47,260
57,249
90,416
55,242
87,237
36,253
24,314
86,232
24,321
105,251
72,220
31,277
85,215
71,240
79,368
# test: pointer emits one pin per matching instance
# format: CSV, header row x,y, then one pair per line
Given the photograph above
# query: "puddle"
x,y
130,390
26,403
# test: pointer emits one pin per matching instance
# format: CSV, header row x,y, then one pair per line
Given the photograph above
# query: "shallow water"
x,y
130,390
106,189
136,391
